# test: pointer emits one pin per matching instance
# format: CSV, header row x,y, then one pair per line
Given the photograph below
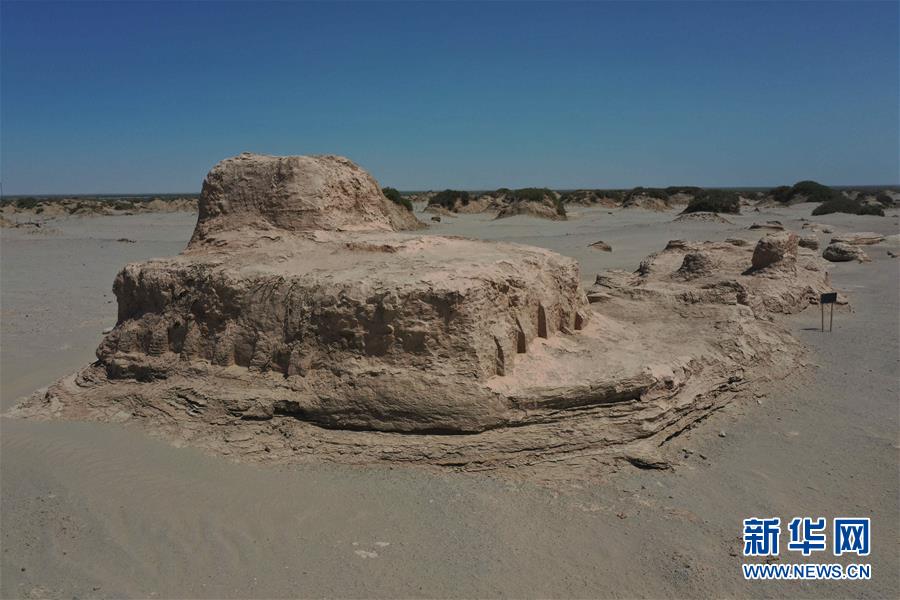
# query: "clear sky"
x,y
146,97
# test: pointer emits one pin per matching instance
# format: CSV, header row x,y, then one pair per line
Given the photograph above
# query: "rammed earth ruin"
x,y
309,317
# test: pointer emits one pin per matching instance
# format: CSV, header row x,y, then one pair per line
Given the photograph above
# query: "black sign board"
x,y
829,298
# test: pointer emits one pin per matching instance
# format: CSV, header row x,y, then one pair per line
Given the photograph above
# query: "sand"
x,y
93,510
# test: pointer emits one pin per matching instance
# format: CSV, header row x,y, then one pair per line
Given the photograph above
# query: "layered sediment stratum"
x,y
308,319
298,295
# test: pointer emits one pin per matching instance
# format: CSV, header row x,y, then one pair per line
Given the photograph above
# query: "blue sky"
x,y
146,97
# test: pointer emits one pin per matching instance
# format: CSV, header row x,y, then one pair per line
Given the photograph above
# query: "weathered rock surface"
x,y
775,248
646,202
276,307
592,198
545,209
841,252
864,238
535,202
289,335
295,194
809,241
818,227
775,225
785,281
696,264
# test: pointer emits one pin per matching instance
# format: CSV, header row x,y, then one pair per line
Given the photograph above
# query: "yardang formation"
x,y
308,319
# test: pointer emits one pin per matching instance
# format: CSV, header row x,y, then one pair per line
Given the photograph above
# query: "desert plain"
x,y
96,510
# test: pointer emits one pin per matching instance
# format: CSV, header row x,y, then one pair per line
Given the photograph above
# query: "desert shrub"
x,y
530,195
577,195
613,194
120,205
810,191
814,192
683,189
661,194
448,198
717,201
26,203
580,195
842,204
884,199
871,209
394,196
538,195
781,194
560,206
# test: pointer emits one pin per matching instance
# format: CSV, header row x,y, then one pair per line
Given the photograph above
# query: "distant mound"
x,y
714,201
804,191
449,200
648,198
537,202
604,198
842,204
660,198
709,217
89,206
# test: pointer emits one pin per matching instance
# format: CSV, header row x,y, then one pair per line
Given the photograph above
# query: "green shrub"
x,y
26,203
530,195
684,189
884,199
538,195
650,192
394,196
717,201
807,191
842,204
871,209
560,207
813,191
578,196
613,194
448,198
782,194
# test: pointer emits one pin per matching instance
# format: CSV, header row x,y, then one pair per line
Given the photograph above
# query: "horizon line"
x,y
462,189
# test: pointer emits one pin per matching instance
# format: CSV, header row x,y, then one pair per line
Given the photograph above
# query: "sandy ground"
x,y
91,510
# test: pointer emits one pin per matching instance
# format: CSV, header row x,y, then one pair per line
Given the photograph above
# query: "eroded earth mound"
x,y
775,276
298,296
305,321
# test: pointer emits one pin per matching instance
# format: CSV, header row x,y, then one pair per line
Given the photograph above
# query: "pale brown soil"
x,y
94,510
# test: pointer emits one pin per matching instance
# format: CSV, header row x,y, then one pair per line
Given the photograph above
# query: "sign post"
x,y
829,298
